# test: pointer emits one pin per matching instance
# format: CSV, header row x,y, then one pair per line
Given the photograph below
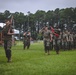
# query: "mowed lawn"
x,y
35,62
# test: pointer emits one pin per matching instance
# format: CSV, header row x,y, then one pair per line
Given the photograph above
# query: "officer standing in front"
x,y
7,38
47,38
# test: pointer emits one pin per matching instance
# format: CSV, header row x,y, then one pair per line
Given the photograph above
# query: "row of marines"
x,y
55,39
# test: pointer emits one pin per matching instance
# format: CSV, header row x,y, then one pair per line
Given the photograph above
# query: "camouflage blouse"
x,y
5,32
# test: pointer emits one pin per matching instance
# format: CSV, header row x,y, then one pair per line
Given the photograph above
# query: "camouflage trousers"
x,y
64,43
26,44
57,45
47,45
7,47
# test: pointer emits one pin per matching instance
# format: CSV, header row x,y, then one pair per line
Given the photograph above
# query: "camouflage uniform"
x,y
26,40
70,41
60,38
57,40
74,40
7,41
46,38
65,40
51,42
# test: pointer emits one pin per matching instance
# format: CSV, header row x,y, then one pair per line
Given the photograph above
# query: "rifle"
x,y
11,23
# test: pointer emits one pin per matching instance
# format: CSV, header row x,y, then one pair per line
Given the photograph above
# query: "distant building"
x,y
1,36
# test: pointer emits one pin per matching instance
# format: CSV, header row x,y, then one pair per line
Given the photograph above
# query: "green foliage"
x,y
34,22
41,17
35,62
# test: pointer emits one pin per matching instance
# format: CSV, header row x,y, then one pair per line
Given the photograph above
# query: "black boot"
x,y
9,55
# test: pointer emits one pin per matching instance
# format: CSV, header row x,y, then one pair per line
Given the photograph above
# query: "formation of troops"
x,y
56,39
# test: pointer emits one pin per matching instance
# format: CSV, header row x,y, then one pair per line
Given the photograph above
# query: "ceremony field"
x,y
35,62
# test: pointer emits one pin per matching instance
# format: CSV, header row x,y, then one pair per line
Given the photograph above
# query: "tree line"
x,y
36,21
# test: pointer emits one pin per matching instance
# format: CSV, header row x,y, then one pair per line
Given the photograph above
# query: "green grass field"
x,y
35,62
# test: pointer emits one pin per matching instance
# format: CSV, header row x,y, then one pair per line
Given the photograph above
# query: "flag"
x,y
53,31
57,35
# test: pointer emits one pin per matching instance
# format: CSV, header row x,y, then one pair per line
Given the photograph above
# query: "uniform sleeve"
x,y
11,29
4,31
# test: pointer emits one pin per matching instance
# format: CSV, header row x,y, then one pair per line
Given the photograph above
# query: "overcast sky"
x,y
34,5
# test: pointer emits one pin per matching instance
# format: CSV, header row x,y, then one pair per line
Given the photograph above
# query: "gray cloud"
x,y
34,5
